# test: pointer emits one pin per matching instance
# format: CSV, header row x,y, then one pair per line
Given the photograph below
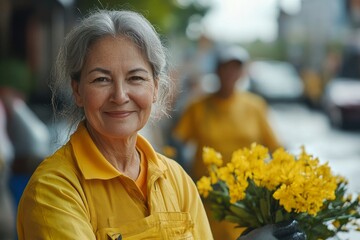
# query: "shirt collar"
x,y
94,165
156,167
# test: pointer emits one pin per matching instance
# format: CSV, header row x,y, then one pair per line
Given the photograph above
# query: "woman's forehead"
x,y
112,50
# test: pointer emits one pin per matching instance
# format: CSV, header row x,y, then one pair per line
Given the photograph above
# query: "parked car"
x,y
275,80
341,102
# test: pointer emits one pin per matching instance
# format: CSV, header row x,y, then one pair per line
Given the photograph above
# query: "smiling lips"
x,y
118,114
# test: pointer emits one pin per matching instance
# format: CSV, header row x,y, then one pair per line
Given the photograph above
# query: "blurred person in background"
x,y
107,181
7,208
24,141
199,61
29,136
226,120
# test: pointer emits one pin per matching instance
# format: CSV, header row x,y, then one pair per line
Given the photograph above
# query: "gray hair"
x,y
95,26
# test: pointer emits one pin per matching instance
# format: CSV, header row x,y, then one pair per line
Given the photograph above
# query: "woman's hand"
x,y
288,230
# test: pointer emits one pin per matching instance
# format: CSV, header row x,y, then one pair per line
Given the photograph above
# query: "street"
x,y
297,125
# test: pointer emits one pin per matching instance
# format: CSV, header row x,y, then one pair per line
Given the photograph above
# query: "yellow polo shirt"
x,y
77,194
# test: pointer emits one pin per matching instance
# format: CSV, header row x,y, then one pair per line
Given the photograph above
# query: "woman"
x,y
107,182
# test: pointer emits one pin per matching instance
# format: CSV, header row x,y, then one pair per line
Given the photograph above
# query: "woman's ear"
x,y
76,92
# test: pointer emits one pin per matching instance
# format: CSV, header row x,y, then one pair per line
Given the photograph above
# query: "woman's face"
x,y
116,88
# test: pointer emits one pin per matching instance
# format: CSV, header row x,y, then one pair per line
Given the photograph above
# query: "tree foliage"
x,y
166,15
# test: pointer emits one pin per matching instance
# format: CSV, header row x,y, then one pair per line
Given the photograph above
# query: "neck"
x,y
121,153
222,93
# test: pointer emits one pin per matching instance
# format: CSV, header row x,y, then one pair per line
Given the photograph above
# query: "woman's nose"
x,y
120,93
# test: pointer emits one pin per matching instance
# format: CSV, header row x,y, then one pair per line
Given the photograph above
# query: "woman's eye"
x,y
136,78
101,79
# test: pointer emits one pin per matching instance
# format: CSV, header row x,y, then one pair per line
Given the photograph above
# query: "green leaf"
x,y
240,212
235,219
265,211
279,216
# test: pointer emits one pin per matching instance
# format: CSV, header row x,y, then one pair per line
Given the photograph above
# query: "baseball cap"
x,y
233,53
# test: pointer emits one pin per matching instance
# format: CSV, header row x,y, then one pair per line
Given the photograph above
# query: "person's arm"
x,y
29,136
183,130
52,207
269,138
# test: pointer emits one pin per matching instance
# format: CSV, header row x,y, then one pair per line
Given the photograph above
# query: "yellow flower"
x,y
336,223
210,156
341,179
213,176
253,182
226,174
250,163
204,186
352,212
237,191
306,185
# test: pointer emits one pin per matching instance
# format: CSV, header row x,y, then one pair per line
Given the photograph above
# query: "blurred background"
x,y
305,61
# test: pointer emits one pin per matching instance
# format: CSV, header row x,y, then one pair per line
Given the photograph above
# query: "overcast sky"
x,y
246,20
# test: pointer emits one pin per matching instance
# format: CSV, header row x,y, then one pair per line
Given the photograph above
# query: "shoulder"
x,y
252,100
252,97
175,173
54,196
198,102
55,169
180,181
55,181
173,167
195,108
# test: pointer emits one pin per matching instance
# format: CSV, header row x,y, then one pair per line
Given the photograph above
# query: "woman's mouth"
x,y
118,114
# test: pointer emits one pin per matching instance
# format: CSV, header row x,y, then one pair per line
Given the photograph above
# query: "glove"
x,y
288,230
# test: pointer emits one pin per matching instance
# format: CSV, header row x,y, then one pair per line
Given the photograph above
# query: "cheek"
x,y
145,97
145,100
93,99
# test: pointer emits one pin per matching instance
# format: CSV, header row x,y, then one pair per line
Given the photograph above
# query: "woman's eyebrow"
x,y
138,70
102,70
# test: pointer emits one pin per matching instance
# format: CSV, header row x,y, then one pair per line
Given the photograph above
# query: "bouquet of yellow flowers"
x,y
255,189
